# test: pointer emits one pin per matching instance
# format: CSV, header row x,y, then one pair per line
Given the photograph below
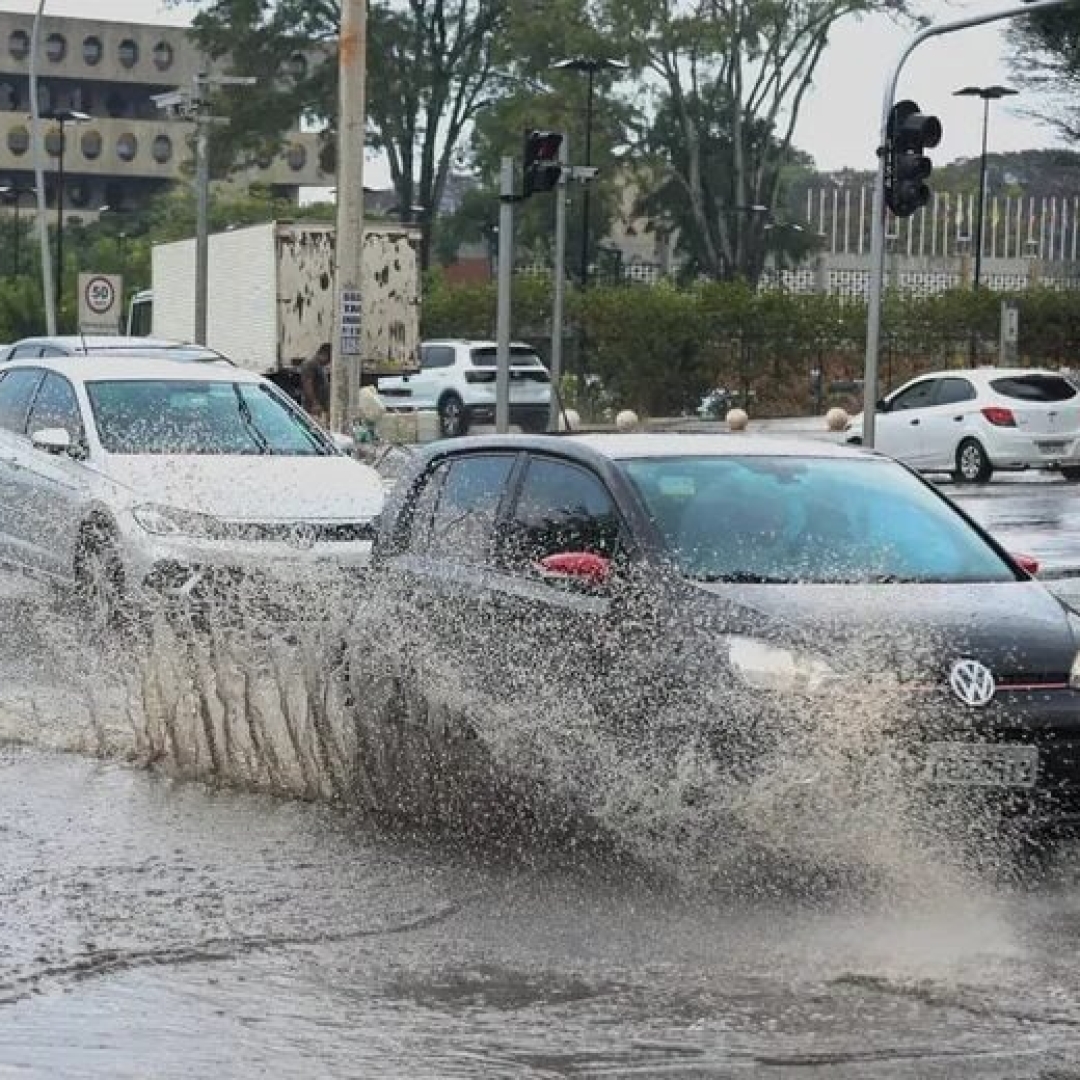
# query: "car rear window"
x,y
1034,387
520,356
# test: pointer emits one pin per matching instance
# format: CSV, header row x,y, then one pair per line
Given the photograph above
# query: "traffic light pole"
x,y
562,195
877,235
502,309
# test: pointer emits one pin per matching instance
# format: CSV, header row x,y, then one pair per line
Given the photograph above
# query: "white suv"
x,y
972,422
457,379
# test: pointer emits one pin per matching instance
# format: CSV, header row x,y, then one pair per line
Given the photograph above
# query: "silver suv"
x,y
457,379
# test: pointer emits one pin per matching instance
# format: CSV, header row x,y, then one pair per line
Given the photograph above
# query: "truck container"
x,y
271,296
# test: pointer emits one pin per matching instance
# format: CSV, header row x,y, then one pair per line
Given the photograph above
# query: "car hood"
x,y
1019,629
262,488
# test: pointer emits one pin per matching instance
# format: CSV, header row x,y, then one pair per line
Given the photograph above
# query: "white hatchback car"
x,y
122,474
457,379
971,422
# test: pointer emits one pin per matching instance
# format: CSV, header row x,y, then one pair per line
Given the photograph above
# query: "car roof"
x,y
620,447
94,367
82,343
987,373
475,343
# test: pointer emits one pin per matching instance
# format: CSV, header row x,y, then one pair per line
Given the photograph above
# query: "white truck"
x,y
271,296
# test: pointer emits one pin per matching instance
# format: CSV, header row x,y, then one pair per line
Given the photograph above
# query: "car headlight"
x,y
769,667
169,521
1074,674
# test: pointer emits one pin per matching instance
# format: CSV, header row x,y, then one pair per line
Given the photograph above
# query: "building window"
x,y
296,156
92,51
19,44
45,98
127,146
9,97
18,141
162,149
129,53
56,47
91,145
163,56
52,142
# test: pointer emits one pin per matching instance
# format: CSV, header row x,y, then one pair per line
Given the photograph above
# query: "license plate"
x,y
982,765
1051,446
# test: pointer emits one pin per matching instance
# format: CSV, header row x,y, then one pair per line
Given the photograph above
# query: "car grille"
x,y
303,533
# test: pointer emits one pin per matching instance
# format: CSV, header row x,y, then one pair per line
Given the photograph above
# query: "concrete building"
x,y
128,149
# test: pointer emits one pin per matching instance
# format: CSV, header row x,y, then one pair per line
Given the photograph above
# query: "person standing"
x,y
315,384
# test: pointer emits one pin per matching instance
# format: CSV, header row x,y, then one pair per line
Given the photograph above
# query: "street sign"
x,y
351,322
101,303
1010,332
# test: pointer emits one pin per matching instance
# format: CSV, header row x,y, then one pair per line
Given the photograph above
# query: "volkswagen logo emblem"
x,y
303,536
972,682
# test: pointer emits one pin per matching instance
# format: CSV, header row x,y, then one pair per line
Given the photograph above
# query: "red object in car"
x,y
999,417
1028,563
578,564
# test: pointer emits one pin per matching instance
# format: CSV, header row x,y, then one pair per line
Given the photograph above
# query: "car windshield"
x,y
821,520
174,416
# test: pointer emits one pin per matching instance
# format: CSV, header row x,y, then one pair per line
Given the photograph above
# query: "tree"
x,y
734,74
1046,58
432,66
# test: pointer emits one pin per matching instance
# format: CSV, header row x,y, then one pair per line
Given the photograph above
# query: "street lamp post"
x,y
590,65
62,117
13,193
988,94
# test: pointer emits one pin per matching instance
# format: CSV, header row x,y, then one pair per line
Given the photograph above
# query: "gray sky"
x,y
839,120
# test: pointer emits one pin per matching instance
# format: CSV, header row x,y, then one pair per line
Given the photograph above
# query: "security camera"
x,y
172,103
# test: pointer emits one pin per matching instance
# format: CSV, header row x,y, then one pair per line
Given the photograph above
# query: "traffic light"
x,y
541,162
907,168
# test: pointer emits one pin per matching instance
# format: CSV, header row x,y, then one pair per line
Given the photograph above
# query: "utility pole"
x,y
191,105
505,284
349,248
48,284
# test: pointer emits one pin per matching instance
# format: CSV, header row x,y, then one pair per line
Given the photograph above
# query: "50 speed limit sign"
x,y
100,302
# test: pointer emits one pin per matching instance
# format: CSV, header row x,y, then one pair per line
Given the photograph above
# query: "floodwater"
x,y
160,927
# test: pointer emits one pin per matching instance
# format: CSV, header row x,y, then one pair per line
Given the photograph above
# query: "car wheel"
x,y
1071,472
453,420
99,580
973,466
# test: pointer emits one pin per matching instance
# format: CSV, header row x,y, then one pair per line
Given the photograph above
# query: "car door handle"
x,y
958,419
915,422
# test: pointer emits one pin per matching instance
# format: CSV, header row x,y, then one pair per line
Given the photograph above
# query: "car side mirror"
x,y
584,566
1028,563
882,405
52,441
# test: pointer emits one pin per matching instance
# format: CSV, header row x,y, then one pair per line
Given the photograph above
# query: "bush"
x,y
657,349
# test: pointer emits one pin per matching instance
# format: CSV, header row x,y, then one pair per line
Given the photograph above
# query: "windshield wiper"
x,y
249,422
741,577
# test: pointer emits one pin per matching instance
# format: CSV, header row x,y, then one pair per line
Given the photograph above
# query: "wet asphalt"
x,y
156,928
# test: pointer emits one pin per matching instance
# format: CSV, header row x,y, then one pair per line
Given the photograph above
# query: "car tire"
x,y
99,580
973,465
453,419
1071,472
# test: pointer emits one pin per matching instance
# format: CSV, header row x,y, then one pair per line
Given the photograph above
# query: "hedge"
x,y
657,348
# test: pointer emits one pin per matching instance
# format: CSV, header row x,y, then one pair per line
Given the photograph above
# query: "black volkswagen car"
x,y
648,570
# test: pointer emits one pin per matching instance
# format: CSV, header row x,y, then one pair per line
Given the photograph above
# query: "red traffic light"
x,y
541,167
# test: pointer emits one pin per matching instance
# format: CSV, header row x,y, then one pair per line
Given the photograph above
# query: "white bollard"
x,y
737,419
569,420
837,419
627,420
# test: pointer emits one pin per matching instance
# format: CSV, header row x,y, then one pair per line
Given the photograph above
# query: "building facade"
x,y
128,149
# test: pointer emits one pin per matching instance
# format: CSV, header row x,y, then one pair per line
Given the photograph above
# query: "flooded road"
x,y
157,928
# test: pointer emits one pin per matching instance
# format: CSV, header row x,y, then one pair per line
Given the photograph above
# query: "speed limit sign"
x,y
100,303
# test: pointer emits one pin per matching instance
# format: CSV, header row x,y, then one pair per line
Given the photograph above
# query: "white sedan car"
x,y
121,474
970,423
